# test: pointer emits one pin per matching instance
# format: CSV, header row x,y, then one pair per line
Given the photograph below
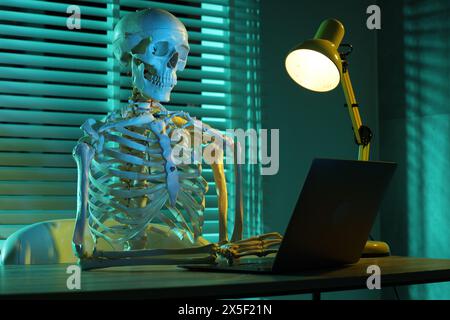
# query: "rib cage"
x,y
129,181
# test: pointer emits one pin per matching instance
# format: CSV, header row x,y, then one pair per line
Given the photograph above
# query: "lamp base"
x,y
375,249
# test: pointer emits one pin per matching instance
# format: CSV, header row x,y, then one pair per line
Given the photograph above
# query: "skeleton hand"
x,y
260,246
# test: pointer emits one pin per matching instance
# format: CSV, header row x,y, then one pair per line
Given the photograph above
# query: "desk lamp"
x,y
317,65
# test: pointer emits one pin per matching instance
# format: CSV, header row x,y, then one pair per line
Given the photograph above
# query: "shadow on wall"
x,y
415,126
427,79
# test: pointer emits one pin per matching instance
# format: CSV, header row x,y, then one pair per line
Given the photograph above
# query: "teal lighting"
x,y
52,79
427,70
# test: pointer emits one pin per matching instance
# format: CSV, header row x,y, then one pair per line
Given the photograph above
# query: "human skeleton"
x,y
133,196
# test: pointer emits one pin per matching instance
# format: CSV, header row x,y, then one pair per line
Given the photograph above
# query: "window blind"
x,y
52,79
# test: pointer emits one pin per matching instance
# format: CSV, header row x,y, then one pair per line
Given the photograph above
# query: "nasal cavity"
x,y
173,61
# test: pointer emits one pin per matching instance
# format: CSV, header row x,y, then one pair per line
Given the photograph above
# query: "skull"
x,y
155,44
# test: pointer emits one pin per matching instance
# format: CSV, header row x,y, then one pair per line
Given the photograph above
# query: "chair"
x,y
50,242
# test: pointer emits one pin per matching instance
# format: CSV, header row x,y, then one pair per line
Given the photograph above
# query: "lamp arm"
x,y
363,134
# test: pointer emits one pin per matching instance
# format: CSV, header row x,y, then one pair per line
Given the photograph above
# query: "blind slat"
x,y
29,102
37,202
36,160
54,76
201,74
58,90
35,145
53,62
33,216
38,188
56,48
45,117
7,230
43,33
38,174
52,132
210,226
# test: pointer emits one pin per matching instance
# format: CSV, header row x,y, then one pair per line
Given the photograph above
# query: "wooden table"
x,y
170,282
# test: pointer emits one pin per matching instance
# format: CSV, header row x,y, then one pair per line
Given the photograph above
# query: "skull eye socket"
x,y
141,47
183,52
173,60
160,49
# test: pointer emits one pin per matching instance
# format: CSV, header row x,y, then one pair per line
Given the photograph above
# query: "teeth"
x,y
156,80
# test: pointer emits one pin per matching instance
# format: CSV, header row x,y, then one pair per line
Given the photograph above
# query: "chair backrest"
x,y
40,243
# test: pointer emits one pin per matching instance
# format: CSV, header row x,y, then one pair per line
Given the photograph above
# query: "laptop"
x,y
330,222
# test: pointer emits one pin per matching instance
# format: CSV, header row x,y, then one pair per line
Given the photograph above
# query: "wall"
x,y
311,124
414,84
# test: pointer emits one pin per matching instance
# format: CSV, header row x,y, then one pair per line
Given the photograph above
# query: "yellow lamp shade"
x,y
316,64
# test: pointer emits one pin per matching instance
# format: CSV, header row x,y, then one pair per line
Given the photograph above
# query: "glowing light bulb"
x,y
312,70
